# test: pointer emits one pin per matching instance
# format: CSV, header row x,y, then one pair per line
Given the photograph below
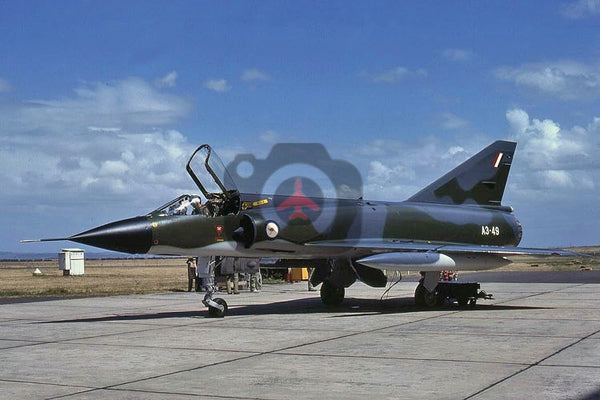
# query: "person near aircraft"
x,y
196,204
255,278
191,270
228,268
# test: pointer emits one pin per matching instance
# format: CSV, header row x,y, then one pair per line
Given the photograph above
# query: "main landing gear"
x,y
465,293
332,295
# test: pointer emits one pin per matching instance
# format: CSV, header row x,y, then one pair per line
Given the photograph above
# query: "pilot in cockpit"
x,y
192,206
196,204
198,208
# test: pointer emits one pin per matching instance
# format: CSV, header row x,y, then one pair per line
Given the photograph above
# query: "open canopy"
x,y
210,175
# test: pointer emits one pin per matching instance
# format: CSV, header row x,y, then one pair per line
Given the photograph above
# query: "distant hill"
x,y
7,255
589,250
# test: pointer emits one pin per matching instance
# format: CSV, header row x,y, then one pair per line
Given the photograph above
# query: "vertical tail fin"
x,y
479,180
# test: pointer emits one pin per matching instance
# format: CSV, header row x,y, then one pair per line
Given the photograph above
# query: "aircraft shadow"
x,y
353,307
595,395
350,308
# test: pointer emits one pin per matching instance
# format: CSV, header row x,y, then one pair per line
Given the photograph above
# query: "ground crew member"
x,y
228,266
191,264
253,268
233,283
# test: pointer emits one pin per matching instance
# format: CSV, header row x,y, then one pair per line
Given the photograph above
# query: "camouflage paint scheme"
x,y
456,222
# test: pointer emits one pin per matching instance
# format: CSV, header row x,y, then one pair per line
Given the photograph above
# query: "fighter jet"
x,y
457,222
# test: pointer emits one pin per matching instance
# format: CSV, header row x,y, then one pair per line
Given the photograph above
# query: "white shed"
x,y
71,261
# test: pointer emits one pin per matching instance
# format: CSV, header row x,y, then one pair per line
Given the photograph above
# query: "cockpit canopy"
x,y
218,188
212,178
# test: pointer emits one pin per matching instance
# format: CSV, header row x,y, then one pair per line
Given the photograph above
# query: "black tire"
x,y
462,301
420,295
332,295
215,312
431,299
441,299
472,303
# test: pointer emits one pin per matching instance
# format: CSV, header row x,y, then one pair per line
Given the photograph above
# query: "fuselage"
x,y
335,220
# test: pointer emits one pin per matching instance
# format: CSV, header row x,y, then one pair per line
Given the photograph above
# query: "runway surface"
x,y
534,340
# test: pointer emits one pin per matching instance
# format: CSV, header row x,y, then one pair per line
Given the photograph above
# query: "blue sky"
x,y
101,102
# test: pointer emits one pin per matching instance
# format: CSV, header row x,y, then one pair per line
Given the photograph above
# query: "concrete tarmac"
x,y
534,341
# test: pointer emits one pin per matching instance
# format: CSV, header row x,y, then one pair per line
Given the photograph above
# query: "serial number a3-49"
x,y
490,230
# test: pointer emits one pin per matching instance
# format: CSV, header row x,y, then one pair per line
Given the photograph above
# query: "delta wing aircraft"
x,y
457,222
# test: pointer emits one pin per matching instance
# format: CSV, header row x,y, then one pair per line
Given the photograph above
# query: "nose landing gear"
x,y
217,308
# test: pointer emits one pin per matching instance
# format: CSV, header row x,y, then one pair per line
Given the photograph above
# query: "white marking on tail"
x,y
498,159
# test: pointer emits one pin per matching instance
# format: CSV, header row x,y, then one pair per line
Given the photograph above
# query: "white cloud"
x,y
5,86
270,137
550,161
167,81
453,151
566,80
558,178
453,122
103,129
551,157
130,103
458,55
113,167
518,121
388,180
386,175
395,170
397,74
545,139
581,9
217,85
105,142
254,74
58,170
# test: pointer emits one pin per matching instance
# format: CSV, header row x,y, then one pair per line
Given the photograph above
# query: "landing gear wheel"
x,y
430,298
441,299
214,312
420,295
332,295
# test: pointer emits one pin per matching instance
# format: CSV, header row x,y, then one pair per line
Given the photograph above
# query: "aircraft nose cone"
x,y
132,235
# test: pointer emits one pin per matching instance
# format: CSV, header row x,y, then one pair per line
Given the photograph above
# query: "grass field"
x,y
131,276
102,277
